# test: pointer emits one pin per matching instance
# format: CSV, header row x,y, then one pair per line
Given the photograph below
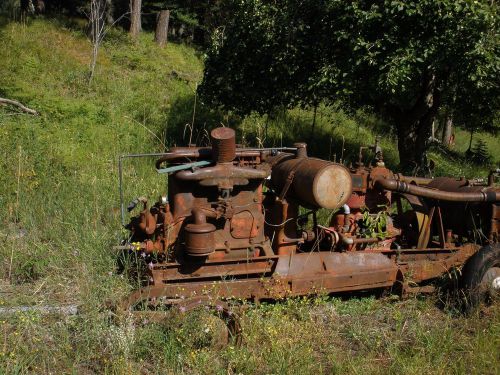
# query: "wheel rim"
x,y
491,280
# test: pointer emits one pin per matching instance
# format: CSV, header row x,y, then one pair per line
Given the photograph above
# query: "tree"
x,y
161,32
97,31
98,14
480,154
447,130
135,17
192,19
405,59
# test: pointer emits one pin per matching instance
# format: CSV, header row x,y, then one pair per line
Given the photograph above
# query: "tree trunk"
x,y
96,19
135,17
97,25
23,5
414,126
110,9
26,7
40,6
447,130
161,32
470,140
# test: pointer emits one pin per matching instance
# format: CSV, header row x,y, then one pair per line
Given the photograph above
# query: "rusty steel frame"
x,y
220,236
306,273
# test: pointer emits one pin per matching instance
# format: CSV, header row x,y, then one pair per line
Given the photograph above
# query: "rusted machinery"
x,y
258,224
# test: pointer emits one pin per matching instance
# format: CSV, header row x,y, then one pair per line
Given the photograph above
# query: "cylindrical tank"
x,y
223,145
313,182
200,240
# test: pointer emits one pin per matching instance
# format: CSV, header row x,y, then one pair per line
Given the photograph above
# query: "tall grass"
x,y
60,216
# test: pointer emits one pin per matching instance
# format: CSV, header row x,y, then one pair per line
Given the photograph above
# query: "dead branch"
x,y
15,103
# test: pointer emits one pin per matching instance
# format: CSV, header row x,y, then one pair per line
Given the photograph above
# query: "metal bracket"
x,y
175,168
287,185
289,179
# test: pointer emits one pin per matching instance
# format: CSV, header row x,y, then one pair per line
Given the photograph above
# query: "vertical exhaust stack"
x,y
223,145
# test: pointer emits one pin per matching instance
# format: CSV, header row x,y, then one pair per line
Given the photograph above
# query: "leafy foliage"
x,y
404,59
374,225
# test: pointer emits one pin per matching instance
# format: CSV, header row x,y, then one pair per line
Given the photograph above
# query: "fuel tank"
x,y
313,182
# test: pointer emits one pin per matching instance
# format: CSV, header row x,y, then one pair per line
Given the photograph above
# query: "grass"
x,y
59,218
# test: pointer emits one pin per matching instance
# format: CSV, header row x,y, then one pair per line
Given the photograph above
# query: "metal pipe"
x,y
403,187
200,214
205,152
417,180
351,241
176,168
120,187
221,171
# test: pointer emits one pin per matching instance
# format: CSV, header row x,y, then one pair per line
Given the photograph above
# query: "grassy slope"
x,y
59,216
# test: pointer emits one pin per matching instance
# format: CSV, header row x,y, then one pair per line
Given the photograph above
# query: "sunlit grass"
x,y
60,217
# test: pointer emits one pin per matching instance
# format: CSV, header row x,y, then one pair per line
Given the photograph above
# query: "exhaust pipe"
x,y
403,187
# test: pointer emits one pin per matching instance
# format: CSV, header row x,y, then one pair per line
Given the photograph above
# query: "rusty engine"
x,y
258,223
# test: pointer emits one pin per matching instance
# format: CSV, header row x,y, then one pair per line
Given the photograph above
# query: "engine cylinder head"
x,y
223,145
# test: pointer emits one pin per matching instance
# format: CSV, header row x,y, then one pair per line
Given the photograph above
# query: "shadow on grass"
x,y
190,123
283,128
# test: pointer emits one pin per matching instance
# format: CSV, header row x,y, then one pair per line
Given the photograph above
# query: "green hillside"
x,y
60,217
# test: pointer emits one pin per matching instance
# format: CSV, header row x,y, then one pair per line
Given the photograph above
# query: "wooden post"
x,y
161,32
135,17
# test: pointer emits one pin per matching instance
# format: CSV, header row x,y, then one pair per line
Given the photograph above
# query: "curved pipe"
x,y
403,187
413,179
200,215
147,222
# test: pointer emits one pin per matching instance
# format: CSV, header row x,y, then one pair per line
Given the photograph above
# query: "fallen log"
x,y
62,310
19,105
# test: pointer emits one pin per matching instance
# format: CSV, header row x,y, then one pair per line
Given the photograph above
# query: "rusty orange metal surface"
x,y
245,225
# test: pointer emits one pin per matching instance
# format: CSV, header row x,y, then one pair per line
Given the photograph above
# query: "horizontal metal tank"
x,y
313,182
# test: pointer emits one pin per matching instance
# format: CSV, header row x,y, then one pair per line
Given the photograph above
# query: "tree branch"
x,y
15,103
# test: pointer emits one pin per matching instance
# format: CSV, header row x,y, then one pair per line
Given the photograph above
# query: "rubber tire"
x,y
474,271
